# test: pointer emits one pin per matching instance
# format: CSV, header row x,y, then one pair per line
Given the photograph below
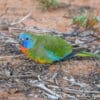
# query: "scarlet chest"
x,y
24,50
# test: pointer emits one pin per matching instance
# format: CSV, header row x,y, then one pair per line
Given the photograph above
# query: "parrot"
x,y
47,49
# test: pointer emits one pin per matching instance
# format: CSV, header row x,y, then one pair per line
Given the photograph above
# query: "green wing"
x,y
54,44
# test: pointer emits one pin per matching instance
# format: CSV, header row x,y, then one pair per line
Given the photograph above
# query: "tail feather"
x,y
87,54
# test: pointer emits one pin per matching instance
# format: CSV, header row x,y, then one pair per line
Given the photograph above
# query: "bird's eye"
x,y
27,38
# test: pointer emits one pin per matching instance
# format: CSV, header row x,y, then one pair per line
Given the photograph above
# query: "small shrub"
x,y
85,20
48,4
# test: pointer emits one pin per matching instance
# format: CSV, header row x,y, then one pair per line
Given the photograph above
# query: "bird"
x,y
47,49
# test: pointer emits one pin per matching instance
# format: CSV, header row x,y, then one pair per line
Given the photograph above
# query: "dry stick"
x,y
18,22
19,76
8,26
92,40
74,91
43,87
7,57
21,20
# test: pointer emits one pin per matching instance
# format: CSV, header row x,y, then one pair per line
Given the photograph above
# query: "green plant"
x,y
86,20
48,4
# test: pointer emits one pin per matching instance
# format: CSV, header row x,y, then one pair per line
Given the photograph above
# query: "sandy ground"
x,y
73,74
54,19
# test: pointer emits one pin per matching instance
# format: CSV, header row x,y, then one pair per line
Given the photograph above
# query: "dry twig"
x,y
19,77
21,20
10,57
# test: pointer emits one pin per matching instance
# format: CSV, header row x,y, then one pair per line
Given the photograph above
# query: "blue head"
x,y
27,40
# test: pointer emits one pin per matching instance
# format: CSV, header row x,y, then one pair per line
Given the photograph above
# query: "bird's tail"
x,y
87,54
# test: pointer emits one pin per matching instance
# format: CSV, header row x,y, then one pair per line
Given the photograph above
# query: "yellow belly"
x,y
41,61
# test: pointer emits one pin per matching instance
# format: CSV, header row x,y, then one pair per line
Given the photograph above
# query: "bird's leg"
x,y
60,68
60,65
